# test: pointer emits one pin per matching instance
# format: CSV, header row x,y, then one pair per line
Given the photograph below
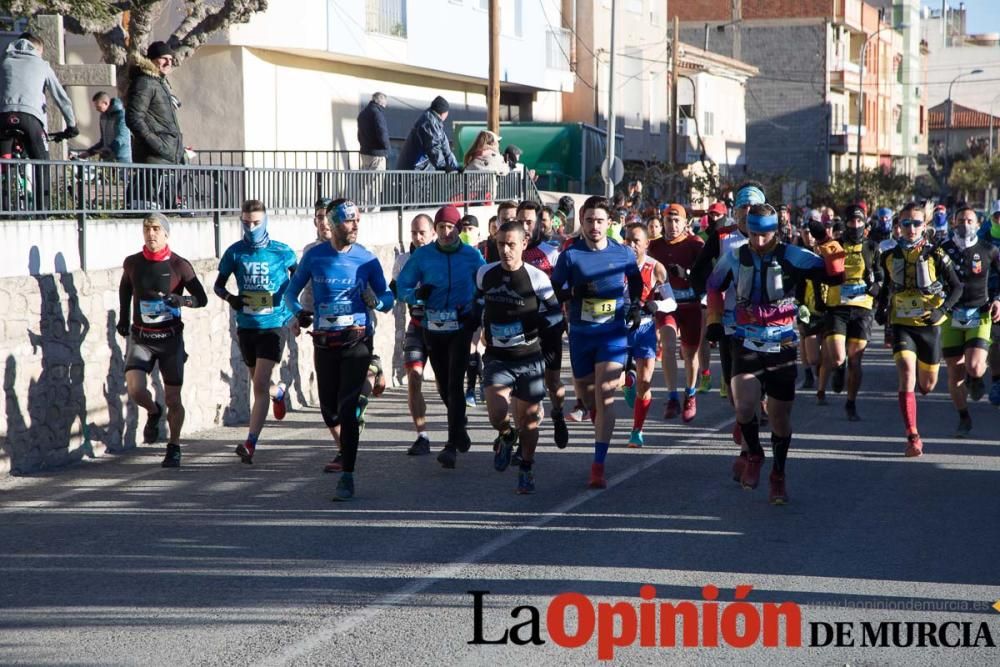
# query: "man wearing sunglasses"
x,y
763,276
919,290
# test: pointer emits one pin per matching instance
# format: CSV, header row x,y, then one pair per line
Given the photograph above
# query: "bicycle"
x,y
16,180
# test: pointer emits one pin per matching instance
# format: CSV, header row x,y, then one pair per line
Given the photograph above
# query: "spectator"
x,y
484,154
151,114
427,147
115,144
373,134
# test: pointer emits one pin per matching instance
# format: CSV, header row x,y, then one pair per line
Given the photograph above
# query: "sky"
x,y
983,15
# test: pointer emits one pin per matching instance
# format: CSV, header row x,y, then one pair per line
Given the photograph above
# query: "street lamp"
x,y
861,103
947,131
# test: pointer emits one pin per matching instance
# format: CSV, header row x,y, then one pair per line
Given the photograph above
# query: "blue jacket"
x,y
427,147
115,137
373,133
451,277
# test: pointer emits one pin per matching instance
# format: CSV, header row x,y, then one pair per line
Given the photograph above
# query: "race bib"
x,y
762,339
442,320
598,311
156,311
966,318
853,294
258,303
507,335
334,316
909,306
686,294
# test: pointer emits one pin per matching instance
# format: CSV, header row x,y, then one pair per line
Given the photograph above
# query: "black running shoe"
x,y
463,443
173,457
447,458
151,431
560,432
839,375
420,447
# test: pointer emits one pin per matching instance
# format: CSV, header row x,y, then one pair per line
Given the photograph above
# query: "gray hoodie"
x,y
24,79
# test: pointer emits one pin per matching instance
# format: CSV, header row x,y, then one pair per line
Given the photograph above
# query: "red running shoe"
x,y
245,451
690,409
336,464
914,445
778,495
673,409
597,476
278,404
751,473
739,463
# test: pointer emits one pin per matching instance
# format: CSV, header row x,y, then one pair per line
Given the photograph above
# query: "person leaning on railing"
x,y
427,147
115,142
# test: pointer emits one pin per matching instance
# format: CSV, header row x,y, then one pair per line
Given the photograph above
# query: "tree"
x,y
879,187
123,29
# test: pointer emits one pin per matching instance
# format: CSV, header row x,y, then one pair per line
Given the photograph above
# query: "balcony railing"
x,y
386,17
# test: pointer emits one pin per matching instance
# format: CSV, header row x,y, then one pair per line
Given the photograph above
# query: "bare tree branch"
x,y
231,12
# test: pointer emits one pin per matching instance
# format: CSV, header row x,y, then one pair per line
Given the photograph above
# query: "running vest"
x,y
775,306
857,273
916,287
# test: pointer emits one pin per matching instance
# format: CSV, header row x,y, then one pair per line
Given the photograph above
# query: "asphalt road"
x,y
118,561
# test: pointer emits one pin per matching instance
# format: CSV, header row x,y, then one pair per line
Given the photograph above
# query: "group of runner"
x,y
622,292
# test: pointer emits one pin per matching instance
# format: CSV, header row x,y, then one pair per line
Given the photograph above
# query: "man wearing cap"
x,y
441,277
677,251
850,311
151,295
427,147
763,275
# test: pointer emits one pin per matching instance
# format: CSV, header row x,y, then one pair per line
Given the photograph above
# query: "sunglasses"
x,y
911,222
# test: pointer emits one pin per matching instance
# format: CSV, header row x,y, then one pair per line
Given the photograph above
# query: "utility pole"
x,y
675,59
493,87
609,185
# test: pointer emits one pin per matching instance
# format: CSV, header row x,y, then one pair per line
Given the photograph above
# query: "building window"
x,y
709,129
557,49
655,13
386,17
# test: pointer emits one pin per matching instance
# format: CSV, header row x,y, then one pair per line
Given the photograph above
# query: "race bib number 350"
x,y
598,311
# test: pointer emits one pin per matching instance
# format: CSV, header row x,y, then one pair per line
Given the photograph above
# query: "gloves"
x,y
423,292
305,318
370,299
176,300
804,314
933,315
714,332
235,301
881,316
71,132
634,317
677,271
123,328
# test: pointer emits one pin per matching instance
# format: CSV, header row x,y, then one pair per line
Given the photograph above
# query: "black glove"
x,y
634,317
582,291
123,328
71,132
175,300
881,316
714,332
423,292
933,315
236,301
370,299
676,271
305,318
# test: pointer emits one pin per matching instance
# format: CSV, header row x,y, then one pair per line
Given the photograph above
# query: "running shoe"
x,y
503,448
578,413
173,457
672,409
737,434
739,463
447,457
995,393
976,387
635,439
914,445
597,480
839,376
821,398
336,464
964,427
420,447
360,412
515,458
751,471
470,399
852,413
245,451
723,390
560,432
629,393
777,494
705,384
375,368
525,483
278,405
345,487
151,431
464,442
690,409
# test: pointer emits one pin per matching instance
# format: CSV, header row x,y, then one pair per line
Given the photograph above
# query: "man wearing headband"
x,y
601,282
340,272
261,268
965,336
920,288
441,276
764,274
151,295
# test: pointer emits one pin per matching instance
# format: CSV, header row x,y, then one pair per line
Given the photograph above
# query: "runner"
x,y
824,244
965,336
414,348
519,305
811,300
991,233
261,267
715,217
151,295
677,251
469,233
591,274
657,298
849,316
340,272
920,287
441,277
764,274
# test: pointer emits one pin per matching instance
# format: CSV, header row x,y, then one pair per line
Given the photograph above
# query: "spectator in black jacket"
x,y
151,109
427,147
373,134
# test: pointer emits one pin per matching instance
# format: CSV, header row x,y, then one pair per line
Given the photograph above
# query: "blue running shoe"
x,y
635,440
525,483
345,487
995,393
503,450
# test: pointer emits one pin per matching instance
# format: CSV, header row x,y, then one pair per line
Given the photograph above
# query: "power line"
x,y
576,73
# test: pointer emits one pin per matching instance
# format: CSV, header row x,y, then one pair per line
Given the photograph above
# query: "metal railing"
x,y
281,159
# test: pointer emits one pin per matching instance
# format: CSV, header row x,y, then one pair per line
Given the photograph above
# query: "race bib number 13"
x,y
598,311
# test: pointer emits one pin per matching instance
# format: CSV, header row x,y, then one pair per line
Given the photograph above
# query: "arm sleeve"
x,y
882,297
295,287
995,267
549,311
125,298
635,284
61,98
560,277
950,277
225,270
406,281
716,284
376,282
193,285
702,266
